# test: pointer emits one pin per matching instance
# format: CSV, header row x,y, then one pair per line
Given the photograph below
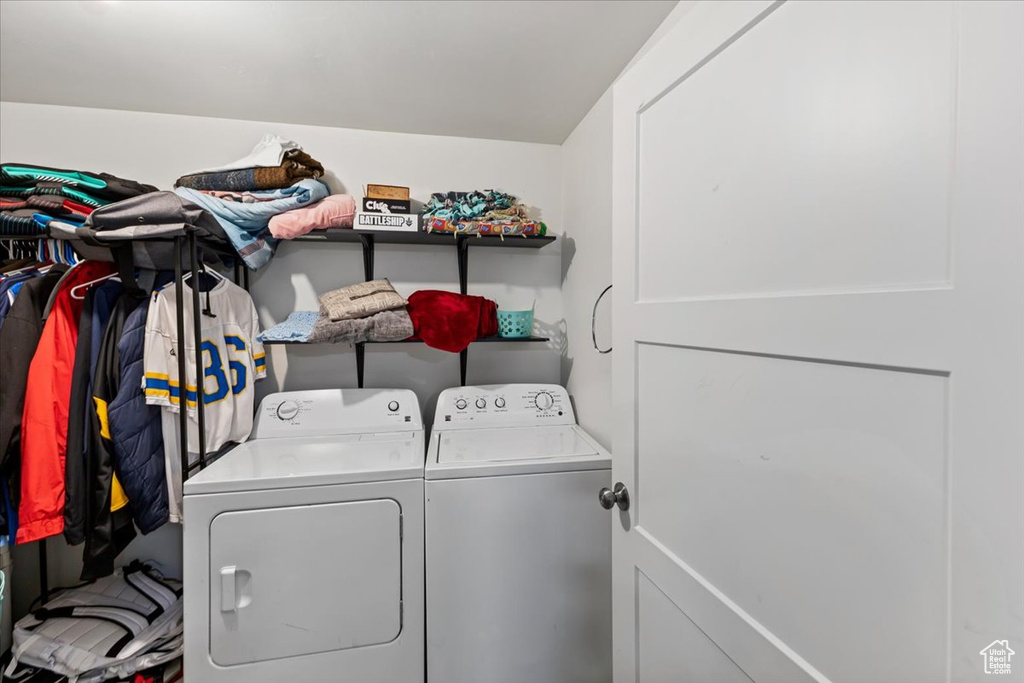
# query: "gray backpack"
x,y
110,628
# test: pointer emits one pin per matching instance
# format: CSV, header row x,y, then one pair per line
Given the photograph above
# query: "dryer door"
x,y
274,593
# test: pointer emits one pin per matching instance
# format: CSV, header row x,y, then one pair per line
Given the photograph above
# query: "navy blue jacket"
x,y
136,432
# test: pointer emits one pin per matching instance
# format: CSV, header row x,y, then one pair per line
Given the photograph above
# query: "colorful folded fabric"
x,y
450,321
295,328
486,212
296,165
474,206
334,211
102,186
58,207
48,188
504,228
12,203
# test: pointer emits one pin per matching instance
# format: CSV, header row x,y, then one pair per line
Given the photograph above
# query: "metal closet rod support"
x,y
240,273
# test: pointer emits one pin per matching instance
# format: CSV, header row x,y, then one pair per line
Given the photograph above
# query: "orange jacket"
x,y
44,424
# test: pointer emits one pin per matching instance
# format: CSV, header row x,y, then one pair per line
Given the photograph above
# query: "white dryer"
x,y
304,545
518,547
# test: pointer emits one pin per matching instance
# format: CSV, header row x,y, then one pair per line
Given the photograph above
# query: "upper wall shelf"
x,y
438,238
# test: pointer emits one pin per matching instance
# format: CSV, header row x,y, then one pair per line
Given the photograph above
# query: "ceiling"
x,y
512,70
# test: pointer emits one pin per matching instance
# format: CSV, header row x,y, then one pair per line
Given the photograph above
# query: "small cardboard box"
x,y
387,192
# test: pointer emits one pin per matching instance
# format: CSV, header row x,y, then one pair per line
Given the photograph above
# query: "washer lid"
x,y
521,450
312,461
502,445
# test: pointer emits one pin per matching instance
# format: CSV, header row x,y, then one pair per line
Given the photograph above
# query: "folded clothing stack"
x,y
247,224
273,193
33,196
486,212
272,164
442,320
367,311
335,211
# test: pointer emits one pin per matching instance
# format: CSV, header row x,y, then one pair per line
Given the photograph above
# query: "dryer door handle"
x,y
228,601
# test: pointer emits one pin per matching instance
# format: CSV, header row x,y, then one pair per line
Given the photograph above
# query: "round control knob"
x,y
481,403
499,402
544,400
393,406
460,403
288,410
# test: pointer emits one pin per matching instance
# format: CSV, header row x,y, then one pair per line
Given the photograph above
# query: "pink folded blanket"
x,y
334,211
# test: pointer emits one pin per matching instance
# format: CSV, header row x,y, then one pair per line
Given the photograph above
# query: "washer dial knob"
x,y
393,406
288,410
460,403
481,403
499,402
543,400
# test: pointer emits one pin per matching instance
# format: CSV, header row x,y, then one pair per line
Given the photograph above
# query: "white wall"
x,y
587,266
157,148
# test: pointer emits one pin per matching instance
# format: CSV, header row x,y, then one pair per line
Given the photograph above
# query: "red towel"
x,y
449,321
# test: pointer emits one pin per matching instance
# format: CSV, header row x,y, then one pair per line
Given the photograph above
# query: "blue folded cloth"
x,y
246,224
296,328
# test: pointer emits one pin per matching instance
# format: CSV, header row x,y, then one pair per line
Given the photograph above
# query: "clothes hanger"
x,y
204,269
85,285
40,267
207,311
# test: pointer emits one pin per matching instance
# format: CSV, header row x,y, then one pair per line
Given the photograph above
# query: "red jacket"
x,y
44,424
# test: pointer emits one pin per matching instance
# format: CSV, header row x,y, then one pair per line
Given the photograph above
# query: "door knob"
x,y
611,497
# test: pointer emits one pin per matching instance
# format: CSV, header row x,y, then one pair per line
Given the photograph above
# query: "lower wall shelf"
x,y
361,350
516,340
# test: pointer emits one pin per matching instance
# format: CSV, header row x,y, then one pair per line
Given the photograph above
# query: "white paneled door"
x,y
819,345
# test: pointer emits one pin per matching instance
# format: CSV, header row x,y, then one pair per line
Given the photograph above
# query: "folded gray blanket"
x,y
384,326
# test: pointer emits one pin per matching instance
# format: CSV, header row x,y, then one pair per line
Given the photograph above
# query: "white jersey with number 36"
x,y
232,361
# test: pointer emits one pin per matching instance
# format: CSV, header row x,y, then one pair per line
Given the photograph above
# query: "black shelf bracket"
x,y
463,255
367,241
462,249
360,363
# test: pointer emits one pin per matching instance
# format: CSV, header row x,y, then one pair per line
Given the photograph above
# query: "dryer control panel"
x,y
503,405
326,412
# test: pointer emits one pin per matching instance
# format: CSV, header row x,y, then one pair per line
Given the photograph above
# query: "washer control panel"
x,y
337,411
503,405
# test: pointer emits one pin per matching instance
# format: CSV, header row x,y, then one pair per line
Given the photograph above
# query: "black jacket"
x,y
96,311
106,533
74,465
18,340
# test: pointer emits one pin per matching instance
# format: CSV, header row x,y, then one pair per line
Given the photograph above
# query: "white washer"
x,y
518,547
304,545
